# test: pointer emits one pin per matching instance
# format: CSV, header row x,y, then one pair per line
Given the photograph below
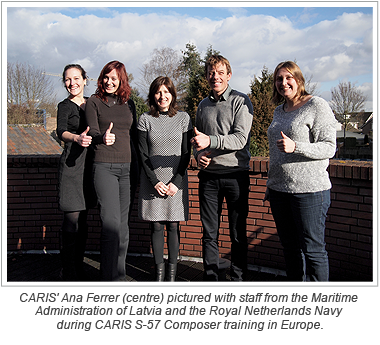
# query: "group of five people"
x,y
103,141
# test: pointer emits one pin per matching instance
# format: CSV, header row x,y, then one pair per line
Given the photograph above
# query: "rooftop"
x,y
47,268
31,140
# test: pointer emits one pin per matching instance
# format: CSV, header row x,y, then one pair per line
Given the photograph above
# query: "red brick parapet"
x,y
34,221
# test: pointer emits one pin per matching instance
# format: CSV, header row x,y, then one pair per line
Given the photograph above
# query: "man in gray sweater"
x,y
221,147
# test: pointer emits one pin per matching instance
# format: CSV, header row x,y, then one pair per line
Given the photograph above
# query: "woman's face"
x,y
111,82
163,98
74,82
286,84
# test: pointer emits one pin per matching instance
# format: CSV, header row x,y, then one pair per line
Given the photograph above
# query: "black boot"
x,y
172,270
69,272
160,272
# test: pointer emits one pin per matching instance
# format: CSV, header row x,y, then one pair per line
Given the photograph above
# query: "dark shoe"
x,y
160,272
172,270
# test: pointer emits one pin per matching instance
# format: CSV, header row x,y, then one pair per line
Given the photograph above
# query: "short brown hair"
x,y
296,72
214,60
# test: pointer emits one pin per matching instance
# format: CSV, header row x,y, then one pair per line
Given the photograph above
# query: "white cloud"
x,y
86,63
329,51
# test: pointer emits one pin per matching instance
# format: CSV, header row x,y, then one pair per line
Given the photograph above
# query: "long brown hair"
x,y
154,87
296,72
124,90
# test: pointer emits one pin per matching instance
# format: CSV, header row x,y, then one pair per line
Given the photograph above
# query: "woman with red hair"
x,y
111,116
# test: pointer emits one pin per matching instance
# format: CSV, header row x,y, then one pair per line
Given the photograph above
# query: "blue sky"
x,y
302,16
329,42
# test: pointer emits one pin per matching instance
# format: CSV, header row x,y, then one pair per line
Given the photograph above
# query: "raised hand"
x,y
286,144
109,138
200,141
84,139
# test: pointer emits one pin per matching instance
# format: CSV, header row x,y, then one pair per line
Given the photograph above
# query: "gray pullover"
x,y
228,122
313,128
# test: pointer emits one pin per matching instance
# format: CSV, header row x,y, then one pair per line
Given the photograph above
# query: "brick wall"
x,y
34,219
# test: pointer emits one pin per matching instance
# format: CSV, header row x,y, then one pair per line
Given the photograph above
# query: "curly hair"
x,y
154,87
124,90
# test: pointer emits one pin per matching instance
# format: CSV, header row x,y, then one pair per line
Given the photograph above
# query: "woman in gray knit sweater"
x,y
302,138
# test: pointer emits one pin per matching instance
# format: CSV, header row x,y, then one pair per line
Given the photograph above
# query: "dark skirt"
x,y
76,187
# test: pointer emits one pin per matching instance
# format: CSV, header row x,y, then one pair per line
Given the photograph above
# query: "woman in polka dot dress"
x,y
164,135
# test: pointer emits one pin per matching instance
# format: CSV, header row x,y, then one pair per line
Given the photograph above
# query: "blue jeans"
x,y
213,188
112,185
300,221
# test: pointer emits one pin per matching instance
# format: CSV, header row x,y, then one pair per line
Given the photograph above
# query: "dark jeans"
x,y
112,184
300,221
213,188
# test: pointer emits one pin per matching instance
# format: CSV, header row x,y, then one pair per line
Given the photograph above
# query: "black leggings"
x,y
75,231
172,229
74,236
75,221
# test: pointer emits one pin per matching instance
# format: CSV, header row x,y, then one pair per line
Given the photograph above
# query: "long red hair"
x,y
124,90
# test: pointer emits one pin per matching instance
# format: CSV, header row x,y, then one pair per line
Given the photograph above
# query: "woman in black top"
x,y
75,192
111,116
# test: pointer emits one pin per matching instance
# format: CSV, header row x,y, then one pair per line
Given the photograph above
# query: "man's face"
x,y
218,78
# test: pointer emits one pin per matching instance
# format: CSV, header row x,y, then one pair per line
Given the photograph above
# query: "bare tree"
x,y
311,87
347,103
28,90
164,62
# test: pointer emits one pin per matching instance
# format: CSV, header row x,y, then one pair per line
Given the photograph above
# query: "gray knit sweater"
x,y
313,128
228,122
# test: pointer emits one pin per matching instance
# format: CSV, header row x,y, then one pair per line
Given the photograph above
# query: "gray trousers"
x,y
112,185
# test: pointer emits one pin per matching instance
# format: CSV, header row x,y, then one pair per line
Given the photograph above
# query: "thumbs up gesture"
x,y
109,138
200,141
286,144
84,139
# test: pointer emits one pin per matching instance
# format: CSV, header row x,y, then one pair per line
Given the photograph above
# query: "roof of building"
x,y
368,121
31,140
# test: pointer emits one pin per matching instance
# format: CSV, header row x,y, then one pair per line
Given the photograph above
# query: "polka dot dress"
x,y
164,139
